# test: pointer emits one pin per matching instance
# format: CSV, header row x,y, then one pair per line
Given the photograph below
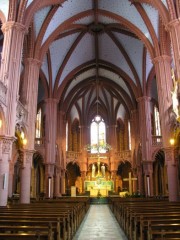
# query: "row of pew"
x,y
147,218
56,219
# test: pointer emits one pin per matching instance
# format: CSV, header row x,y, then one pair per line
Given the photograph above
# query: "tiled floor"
x,y
99,224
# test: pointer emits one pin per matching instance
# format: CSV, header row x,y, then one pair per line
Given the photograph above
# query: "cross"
x,y
130,179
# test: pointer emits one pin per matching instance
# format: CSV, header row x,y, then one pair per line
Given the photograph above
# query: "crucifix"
x,y
130,179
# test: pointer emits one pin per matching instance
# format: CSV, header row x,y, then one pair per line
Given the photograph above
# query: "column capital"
x,y
11,24
143,99
172,24
48,100
161,58
6,144
27,157
32,61
169,155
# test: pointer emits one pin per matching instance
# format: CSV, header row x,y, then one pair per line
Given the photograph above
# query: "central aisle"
x,y
99,224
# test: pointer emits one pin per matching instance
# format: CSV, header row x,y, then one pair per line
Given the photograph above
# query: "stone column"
x,y
61,141
10,69
164,84
63,189
134,147
113,177
9,77
5,156
145,137
112,141
84,142
26,176
134,123
11,179
49,180
30,94
83,176
57,182
173,28
140,177
148,178
51,129
172,172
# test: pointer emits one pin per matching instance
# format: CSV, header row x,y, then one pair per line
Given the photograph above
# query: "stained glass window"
x,y
98,134
157,122
38,124
129,134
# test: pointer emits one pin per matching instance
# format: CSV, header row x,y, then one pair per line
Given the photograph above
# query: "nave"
x,y
75,218
99,223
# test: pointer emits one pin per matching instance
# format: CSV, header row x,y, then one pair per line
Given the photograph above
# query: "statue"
x,y
175,95
103,170
93,170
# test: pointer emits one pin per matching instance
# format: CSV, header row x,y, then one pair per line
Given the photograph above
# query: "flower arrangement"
x,y
98,147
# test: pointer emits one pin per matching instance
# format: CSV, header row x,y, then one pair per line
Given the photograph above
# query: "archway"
x,y
37,176
160,175
124,169
73,172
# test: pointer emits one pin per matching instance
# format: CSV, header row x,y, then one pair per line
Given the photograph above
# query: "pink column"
x,y
135,140
83,176
113,177
10,69
63,189
9,76
172,172
51,130
49,180
84,142
57,182
5,156
26,176
11,179
61,140
30,94
112,141
164,85
146,139
174,29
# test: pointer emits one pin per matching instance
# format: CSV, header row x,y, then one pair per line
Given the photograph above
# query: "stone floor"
x,y
99,224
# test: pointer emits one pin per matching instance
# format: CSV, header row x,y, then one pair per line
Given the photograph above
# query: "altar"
x,y
99,187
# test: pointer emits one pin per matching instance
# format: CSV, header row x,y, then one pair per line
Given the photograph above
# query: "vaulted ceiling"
x,y
96,54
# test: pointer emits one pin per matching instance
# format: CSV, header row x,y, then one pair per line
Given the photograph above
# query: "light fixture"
x,y
172,141
22,135
0,123
24,141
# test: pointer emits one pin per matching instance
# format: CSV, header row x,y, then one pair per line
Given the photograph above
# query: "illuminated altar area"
x,y
98,181
99,187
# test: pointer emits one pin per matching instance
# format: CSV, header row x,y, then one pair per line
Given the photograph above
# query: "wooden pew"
x,y
64,217
133,215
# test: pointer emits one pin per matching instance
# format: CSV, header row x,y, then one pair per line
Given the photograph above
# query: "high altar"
x,y
99,187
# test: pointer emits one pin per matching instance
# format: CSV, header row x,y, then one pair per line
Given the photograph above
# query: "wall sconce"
x,y
172,141
24,140
0,123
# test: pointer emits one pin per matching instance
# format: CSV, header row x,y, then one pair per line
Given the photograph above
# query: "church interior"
x,y
89,102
